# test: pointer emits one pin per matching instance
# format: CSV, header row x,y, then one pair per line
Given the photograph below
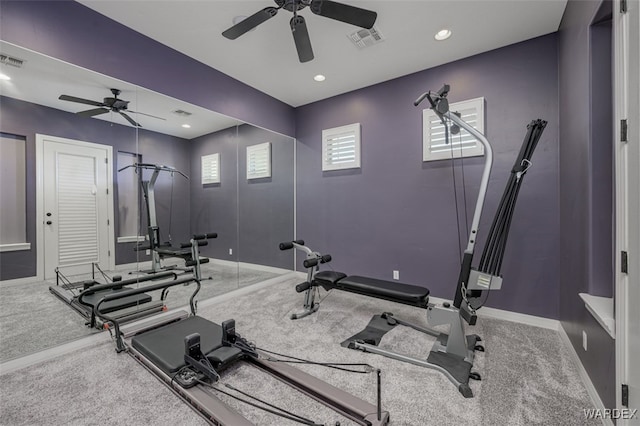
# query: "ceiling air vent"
x,y
365,38
10,60
182,113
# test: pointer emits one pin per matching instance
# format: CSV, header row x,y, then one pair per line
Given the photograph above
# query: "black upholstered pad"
x,y
328,277
115,305
388,290
165,346
174,252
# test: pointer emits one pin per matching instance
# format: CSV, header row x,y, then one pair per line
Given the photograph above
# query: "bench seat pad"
x,y
394,291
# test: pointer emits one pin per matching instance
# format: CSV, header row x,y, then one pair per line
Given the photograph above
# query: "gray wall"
x,y
27,119
397,212
576,174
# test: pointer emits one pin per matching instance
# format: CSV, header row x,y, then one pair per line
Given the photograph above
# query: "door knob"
x,y
49,214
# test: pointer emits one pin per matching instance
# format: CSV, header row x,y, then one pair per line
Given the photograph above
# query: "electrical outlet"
x,y
148,252
230,252
584,340
396,275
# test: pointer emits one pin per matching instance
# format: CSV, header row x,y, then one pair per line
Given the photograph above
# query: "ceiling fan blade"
x,y
129,119
79,100
148,115
92,112
250,23
344,13
301,38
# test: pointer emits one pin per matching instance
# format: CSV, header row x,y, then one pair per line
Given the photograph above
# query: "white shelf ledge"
x,y
602,310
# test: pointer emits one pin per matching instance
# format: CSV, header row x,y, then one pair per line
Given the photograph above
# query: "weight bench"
x,y
452,353
395,292
189,252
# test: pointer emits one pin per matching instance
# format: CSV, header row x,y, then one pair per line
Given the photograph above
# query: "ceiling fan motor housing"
x,y
290,5
115,103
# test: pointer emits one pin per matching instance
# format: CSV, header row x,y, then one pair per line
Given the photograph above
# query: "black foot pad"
x,y
373,333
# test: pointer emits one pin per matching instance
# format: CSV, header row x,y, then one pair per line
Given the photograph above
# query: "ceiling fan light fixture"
x,y
319,77
238,19
443,34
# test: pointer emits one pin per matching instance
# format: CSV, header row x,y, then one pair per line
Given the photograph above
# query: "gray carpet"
x,y
32,319
528,375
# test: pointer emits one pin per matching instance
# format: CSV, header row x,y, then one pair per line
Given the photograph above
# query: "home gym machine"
x,y
160,250
188,354
453,353
82,295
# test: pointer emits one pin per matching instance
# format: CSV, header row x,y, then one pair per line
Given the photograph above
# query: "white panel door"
x,y
76,213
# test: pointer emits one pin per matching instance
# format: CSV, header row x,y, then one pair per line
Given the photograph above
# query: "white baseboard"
x,y
591,390
533,320
47,354
18,281
264,268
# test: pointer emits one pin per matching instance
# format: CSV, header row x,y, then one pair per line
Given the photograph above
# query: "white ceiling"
x,y
266,59
41,80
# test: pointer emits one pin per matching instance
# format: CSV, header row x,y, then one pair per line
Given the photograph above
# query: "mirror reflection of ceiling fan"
x,y
329,9
113,104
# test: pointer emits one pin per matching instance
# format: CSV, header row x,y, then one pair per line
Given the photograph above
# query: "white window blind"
x,y
211,168
259,161
341,147
434,146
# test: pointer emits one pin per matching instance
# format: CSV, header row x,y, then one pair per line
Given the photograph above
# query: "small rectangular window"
x,y
13,204
211,168
341,147
259,161
434,144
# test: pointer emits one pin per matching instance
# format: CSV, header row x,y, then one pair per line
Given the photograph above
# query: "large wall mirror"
x,y
154,168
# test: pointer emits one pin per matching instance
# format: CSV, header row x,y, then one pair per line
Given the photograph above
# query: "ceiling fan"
x,y
108,104
329,9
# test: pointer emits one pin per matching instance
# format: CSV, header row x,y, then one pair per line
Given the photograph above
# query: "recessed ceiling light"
x,y
186,126
443,34
319,77
4,77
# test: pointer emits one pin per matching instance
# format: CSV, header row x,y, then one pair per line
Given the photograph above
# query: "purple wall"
x,y
266,208
74,33
27,119
397,212
576,175
250,217
214,207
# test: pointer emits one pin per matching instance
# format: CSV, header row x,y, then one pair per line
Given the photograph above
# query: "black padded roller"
x,y
326,258
286,245
303,286
205,236
310,263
